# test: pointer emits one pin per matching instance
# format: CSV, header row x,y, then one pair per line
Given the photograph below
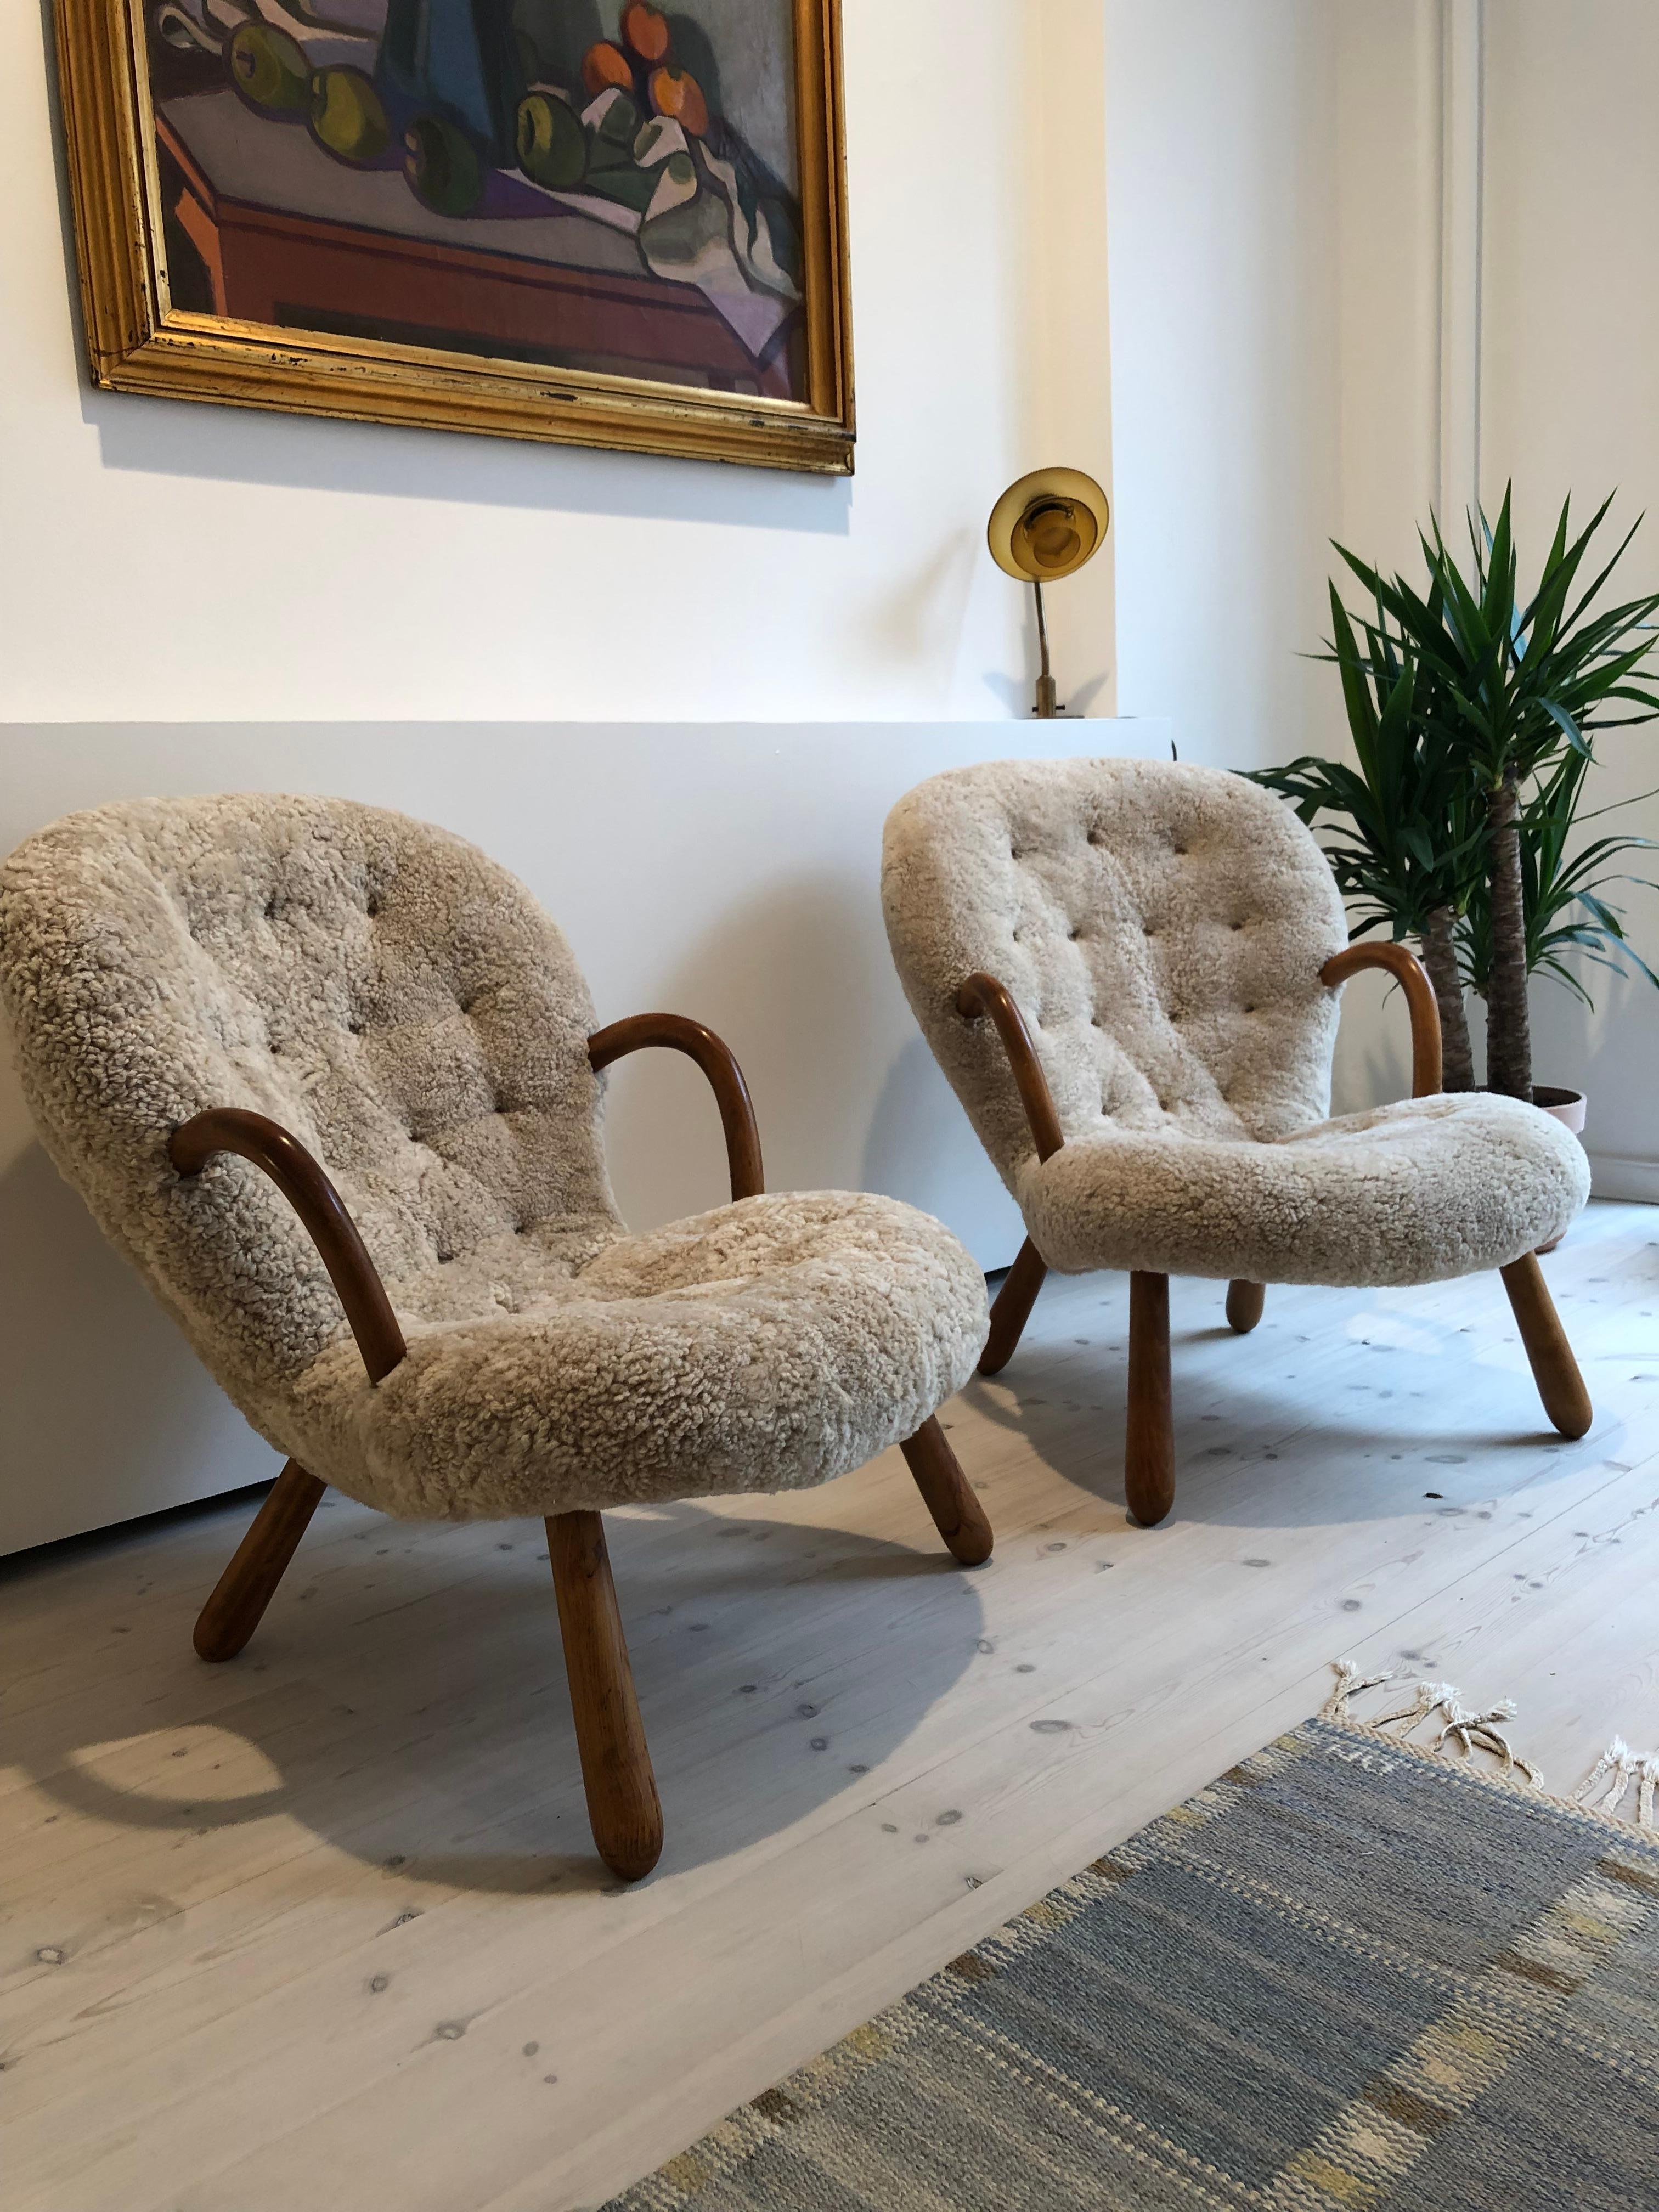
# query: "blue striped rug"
x,y
1347,1974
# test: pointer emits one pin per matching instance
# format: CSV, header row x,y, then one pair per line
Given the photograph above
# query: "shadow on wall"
x,y
456,1671
920,1141
1078,692
918,616
102,1403
1372,1064
785,979
309,452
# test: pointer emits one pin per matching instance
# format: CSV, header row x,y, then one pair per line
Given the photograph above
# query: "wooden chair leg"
x,y
622,1807
1013,1307
1244,1304
1554,1369
248,1583
1149,1454
957,1514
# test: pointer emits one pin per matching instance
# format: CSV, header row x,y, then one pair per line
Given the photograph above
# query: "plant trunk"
x,y
1509,1037
1440,958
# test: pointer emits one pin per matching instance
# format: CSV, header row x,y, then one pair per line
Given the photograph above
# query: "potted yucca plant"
x,y
1400,829
1473,713
1564,900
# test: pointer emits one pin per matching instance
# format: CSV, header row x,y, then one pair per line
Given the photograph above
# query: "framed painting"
x,y
595,221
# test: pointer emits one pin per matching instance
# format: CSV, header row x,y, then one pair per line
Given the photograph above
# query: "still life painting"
x,y
596,220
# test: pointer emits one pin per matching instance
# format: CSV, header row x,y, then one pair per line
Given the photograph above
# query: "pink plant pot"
x,y
1566,1106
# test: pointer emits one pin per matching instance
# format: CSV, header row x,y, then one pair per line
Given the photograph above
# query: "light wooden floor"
x,y
321,1929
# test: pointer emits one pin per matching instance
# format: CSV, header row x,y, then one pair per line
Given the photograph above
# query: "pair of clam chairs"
x,y
331,1079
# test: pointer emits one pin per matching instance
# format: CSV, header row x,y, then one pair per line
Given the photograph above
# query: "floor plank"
x,y
326,1923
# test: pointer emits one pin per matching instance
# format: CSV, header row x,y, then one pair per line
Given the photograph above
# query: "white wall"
x,y
1272,187
1360,250
1273,195
1570,402
720,678
188,563
1067,342
1222,217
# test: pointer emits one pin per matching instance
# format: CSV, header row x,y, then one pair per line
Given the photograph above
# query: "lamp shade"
x,y
1047,524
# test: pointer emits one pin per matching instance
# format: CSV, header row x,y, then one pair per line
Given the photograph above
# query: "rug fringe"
x,y
1469,1731
1613,1773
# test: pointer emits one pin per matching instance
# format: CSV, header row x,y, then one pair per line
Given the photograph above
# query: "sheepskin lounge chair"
x,y
301,1056
1130,971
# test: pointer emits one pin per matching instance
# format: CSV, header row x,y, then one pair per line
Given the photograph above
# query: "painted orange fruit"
x,y
676,92
645,32
605,66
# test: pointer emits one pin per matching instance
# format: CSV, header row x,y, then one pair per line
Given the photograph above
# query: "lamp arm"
x,y
1047,707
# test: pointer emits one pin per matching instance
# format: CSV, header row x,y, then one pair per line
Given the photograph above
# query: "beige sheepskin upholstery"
x,y
403,1006
1163,928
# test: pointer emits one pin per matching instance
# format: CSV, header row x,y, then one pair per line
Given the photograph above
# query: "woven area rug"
x,y
1347,1973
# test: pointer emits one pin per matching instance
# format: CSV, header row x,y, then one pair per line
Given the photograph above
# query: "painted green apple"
x,y
442,166
269,68
346,115
552,144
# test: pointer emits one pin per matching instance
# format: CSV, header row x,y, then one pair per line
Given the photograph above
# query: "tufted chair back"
x,y
1162,926
378,986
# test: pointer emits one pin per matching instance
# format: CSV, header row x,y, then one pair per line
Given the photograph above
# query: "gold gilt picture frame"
x,y
597,222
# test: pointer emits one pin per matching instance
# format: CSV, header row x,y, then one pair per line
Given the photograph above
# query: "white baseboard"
x,y
1613,1177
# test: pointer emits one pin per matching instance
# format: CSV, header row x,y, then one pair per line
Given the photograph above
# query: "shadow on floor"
x,y
404,1699
1431,1424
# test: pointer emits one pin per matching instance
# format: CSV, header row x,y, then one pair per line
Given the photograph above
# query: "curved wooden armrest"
x,y
984,994
1410,974
718,1063
320,1206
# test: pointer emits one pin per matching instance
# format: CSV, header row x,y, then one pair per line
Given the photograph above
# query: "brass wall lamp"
x,y
1042,528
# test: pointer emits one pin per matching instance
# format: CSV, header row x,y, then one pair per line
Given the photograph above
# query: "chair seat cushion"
x,y
766,1346
1414,1192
